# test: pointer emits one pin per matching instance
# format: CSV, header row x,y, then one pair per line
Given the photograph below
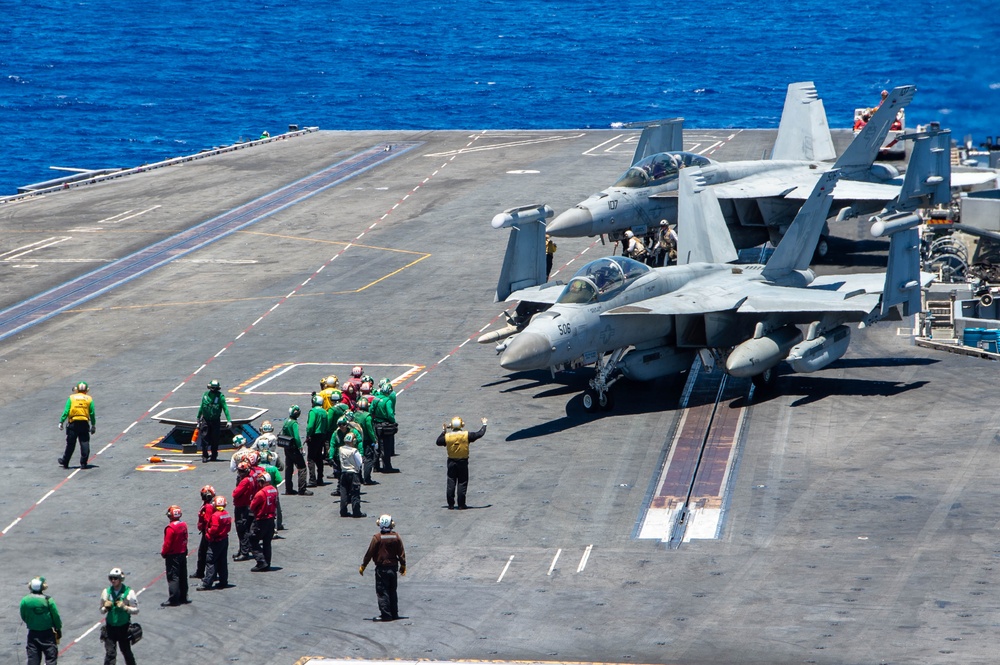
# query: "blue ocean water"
x,y
96,83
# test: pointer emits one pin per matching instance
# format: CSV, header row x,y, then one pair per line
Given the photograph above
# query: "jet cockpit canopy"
x,y
659,168
602,279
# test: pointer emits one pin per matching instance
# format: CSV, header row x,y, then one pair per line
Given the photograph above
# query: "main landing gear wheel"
x,y
765,379
592,401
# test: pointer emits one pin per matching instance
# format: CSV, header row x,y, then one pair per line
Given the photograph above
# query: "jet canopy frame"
x,y
659,169
602,279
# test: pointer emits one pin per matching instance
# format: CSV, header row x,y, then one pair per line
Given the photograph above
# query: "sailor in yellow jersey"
x,y
457,441
82,423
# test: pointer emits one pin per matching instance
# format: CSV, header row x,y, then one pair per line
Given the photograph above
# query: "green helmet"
x,y
82,387
214,385
317,400
294,411
342,421
385,386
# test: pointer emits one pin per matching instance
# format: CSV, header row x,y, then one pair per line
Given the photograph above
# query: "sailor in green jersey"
x,y
383,410
370,446
119,603
316,428
39,613
213,405
295,461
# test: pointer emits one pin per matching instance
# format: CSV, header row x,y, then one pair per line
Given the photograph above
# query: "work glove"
x,y
402,571
120,604
228,424
93,429
484,421
60,427
361,570
107,604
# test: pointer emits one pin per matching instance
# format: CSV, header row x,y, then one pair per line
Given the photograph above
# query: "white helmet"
x,y
629,234
263,444
116,573
266,426
37,585
385,522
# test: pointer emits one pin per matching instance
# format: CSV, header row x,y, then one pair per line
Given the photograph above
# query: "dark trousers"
x,y
79,429
199,567
216,563
548,264
368,461
458,474
210,439
41,643
118,639
387,444
243,521
177,578
350,492
314,456
261,534
294,461
385,589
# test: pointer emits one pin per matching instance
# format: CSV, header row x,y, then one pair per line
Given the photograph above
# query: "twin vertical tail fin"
x,y
863,151
902,275
796,249
928,173
702,234
524,262
803,133
660,136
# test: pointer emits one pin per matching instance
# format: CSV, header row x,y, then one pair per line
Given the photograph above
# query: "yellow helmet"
x,y
457,423
332,381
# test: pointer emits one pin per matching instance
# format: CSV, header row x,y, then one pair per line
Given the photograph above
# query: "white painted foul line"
x,y
47,495
178,386
443,359
585,558
31,247
10,526
554,559
504,571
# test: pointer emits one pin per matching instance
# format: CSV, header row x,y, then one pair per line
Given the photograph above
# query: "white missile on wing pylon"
x,y
522,215
817,353
900,221
760,354
497,335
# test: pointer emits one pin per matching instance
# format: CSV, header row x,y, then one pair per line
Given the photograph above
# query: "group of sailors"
x,y
655,249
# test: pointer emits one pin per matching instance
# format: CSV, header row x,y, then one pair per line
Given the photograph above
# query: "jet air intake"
x,y
760,354
819,352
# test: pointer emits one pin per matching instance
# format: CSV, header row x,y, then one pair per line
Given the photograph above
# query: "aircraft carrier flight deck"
x,y
849,516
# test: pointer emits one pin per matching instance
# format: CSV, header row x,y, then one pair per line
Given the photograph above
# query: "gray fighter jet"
x,y
759,198
631,320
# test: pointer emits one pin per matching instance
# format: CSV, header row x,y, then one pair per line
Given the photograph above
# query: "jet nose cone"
x,y
574,223
527,350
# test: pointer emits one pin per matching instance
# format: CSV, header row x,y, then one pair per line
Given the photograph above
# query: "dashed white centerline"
x,y
276,305
307,281
10,526
198,370
105,448
583,561
443,359
153,408
259,319
554,559
89,631
47,495
221,351
178,386
422,375
134,423
463,343
504,571
241,334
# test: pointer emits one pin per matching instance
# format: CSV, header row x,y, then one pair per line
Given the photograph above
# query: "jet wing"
x,y
700,300
546,294
970,178
787,300
800,188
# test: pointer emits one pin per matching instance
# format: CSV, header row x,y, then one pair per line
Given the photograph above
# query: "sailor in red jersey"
x,y
264,508
174,553
242,496
217,535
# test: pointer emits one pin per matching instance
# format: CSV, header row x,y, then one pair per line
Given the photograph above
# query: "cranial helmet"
x,y
239,441
629,234
385,522
349,439
457,422
322,382
294,411
357,371
82,387
207,492
317,400
266,426
242,468
264,478
116,574
253,458
37,585
174,512
363,403
214,385
332,381
220,502
385,386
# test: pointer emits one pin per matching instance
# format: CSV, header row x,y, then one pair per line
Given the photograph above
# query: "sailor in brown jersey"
x,y
386,549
